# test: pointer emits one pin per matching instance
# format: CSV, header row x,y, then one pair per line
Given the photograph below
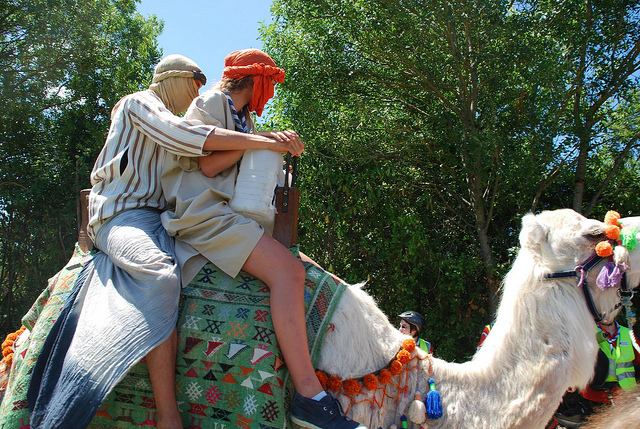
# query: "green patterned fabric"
x,y
229,370
14,412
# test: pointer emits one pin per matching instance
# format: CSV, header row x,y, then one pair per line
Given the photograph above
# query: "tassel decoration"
x,y
433,402
403,421
417,410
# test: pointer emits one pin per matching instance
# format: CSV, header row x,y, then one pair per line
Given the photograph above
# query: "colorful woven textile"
x,y
229,370
14,412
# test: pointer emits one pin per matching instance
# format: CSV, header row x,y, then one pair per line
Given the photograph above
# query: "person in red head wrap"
x,y
207,229
254,62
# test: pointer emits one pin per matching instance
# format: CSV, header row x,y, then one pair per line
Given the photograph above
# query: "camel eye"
x,y
597,236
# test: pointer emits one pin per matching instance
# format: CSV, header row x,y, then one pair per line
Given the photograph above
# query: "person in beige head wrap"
x,y
133,281
175,80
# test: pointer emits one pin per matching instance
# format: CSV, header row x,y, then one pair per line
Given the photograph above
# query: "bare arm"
x,y
216,162
228,146
277,141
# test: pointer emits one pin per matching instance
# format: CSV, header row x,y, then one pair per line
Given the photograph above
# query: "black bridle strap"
x,y
581,273
590,304
580,270
624,286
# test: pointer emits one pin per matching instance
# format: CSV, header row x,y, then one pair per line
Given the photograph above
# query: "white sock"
x,y
319,396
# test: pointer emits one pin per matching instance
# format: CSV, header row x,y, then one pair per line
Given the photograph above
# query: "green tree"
x,y
600,50
63,65
432,127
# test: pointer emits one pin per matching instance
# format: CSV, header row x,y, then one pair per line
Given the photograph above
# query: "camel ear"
x,y
533,232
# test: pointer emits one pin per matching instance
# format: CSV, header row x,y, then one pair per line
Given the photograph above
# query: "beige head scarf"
x,y
174,82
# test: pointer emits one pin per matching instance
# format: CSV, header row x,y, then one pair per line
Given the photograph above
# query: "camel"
x,y
542,342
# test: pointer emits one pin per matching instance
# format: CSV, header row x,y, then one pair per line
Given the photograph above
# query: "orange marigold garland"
x,y
612,217
334,383
613,232
409,345
617,235
396,367
604,249
352,387
370,381
7,346
322,377
403,356
384,377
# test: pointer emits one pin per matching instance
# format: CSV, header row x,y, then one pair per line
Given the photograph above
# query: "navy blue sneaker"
x,y
323,414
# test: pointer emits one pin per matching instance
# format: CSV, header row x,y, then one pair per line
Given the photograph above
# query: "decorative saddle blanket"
x,y
229,370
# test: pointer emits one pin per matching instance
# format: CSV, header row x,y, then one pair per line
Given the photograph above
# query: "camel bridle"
x,y
580,272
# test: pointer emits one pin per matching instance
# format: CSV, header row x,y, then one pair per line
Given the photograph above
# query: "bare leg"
x,y
162,372
284,274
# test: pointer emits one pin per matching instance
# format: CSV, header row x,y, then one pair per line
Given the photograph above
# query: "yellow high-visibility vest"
x,y
620,359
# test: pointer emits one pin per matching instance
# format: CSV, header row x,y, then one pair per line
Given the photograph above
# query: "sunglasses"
x,y
199,76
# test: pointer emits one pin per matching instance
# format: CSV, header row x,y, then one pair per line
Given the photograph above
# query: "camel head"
x,y
560,240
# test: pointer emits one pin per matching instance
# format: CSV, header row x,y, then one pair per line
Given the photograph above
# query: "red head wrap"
x,y
254,62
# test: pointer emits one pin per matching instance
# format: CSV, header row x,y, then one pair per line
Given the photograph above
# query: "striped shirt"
x,y
126,174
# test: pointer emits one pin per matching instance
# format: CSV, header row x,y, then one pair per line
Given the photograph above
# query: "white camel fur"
x,y
543,340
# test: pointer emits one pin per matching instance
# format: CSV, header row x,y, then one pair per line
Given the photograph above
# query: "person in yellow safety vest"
x,y
616,359
620,358
614,373
412,323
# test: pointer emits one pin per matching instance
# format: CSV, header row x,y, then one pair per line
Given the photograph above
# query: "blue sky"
x,y
207,30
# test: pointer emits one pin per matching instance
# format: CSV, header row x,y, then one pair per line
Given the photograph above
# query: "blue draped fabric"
x,y
124,303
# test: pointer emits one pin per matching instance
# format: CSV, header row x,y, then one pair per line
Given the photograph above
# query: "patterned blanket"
x,y
229,370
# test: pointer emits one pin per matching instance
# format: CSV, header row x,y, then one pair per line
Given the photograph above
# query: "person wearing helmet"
x,y
412,323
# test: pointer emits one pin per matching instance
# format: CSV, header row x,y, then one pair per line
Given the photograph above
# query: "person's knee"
x,y
299,272
290,275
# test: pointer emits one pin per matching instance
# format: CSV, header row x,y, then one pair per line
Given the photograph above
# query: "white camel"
x,y
543,340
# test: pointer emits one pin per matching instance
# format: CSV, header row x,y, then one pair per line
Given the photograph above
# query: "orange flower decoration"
x,y
612,217
370,382
7,343
7,346
322,377
396,367
613,232
352,387
334,383
604,249
404,356
384,377
409,345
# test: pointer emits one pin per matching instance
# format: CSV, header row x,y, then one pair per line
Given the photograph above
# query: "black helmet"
x,y
413,318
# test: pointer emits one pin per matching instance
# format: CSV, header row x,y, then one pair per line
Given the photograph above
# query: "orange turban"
x,y
254,62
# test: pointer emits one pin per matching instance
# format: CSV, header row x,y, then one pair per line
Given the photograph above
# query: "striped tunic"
x,y
126,174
